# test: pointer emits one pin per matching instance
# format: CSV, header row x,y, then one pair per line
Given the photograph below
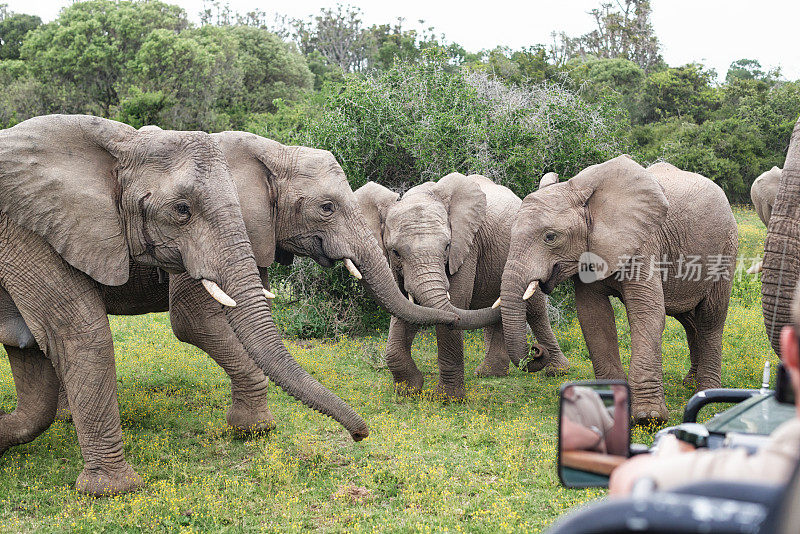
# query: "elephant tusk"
x,y
756,268
352,268
269,294
531,290
410,298
448,296
496,304
219,295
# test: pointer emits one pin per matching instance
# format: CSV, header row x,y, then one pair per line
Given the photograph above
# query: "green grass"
x,y
485,465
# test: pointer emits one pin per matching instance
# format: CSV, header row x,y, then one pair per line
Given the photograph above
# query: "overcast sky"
x,y
714,32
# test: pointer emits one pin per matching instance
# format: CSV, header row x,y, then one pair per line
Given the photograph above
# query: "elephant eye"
x,y
396,254
183,211
328,207
549,237
447,247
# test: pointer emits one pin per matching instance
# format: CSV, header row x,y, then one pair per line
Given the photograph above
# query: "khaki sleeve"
x,y
772,464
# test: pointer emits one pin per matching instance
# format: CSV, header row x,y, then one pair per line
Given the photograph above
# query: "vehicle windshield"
x,y
757,415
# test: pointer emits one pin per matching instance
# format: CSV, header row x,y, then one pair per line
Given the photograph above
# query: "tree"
x,y
193,68
623,31
13,29
684,92
338,35
86,50
270,69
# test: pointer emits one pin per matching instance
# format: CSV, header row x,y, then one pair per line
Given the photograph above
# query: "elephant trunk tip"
x,y
360,434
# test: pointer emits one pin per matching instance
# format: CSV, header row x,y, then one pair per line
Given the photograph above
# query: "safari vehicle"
x,y
708,507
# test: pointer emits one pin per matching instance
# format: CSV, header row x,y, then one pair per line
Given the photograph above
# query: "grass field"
x,y
485,465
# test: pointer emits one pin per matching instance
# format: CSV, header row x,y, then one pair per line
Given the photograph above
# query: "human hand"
x,y
669,445
624,477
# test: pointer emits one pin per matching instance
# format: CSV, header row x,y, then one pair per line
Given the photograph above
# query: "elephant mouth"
x,y
556,277
308,245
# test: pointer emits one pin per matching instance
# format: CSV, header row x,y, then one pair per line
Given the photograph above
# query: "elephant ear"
x,y
58,178
251,161
626,206
465,202
548,179
374,201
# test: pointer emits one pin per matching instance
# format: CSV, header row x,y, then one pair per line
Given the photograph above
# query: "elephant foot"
x,y
449,393
649,413
105,481
246,421
487,368
409,386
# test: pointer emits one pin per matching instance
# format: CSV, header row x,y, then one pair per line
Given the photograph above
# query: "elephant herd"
x,y
99,218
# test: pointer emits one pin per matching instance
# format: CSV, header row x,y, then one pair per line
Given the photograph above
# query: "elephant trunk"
x,y
781,265
429,287
378,279
513,309
252,322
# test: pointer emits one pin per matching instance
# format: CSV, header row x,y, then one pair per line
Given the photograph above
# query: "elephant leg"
x,y
450,344
687,320
197,320
407,377
555,363
496,362
71,327
37,391
596,317
644,303
710,320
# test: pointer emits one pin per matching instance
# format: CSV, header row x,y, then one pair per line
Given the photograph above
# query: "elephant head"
x,y
426,235
100,193
297,200
781,264
609,210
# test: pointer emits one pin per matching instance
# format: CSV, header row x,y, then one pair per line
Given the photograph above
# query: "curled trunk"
x,y
781,265
378,279
430,290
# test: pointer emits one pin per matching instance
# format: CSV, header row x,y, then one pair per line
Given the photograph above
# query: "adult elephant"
x,y
80,197
662,240
763,193
447,243
294,200
781,264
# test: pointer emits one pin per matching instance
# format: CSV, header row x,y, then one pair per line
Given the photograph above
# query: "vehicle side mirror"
x,y
594,431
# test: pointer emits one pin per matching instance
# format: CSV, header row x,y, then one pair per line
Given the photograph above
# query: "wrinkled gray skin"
x,y
285,192
450,236
763,193
616,210
782,247
80,198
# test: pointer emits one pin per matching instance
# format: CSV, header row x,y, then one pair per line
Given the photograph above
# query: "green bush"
x,y
420,121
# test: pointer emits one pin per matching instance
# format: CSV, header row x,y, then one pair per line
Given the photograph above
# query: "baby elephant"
x,y
447,243
660,239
